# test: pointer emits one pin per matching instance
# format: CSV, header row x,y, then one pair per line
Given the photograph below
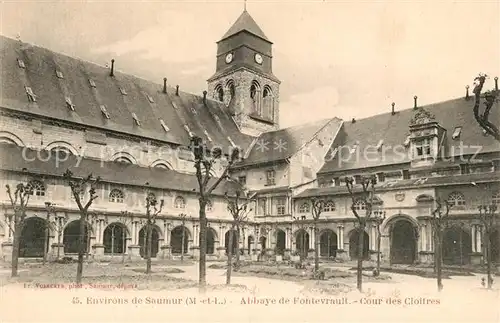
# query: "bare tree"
x,y
489,218
19,201
365,196
78,187
58,226
204,161
153,208
439,221
183,237
490,97
239,211
317,206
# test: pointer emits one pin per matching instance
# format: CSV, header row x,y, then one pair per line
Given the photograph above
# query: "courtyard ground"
x,y
123,293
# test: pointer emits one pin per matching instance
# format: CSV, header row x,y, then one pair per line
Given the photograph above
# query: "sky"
x,y
346,59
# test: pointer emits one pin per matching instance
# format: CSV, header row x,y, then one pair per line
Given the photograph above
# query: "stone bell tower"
x,y
243,77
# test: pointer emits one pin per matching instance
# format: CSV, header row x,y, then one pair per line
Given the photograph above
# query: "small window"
x,y
116,196
406,174
495,199
381,177
423,147
242,180
305,208
329,206
353,148
496,165
20,63
357,179
456,133
104,111
59,74
180,203
164,125
37,188
270,177
280,205
92,83
359,205
136,119
456,199
262,206
206,134
150,99
336,181
70,104
31,95
464,169
123,91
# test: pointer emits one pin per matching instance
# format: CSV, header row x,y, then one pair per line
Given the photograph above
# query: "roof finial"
x,y
244,5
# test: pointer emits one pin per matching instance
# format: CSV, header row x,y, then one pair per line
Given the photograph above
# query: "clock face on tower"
x,y
229,58
258,58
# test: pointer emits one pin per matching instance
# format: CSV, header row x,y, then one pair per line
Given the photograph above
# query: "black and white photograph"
x,y
249,161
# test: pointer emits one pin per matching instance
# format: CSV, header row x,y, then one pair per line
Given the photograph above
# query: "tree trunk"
x,y
182,242
203,246
360,258
81,248
438,258
316,248
15,249
46,240
488,259
124,248
229,256
149,244
379,239
58,244
237,246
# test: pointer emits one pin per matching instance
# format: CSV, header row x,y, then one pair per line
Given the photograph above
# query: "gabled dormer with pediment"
x,y
426,138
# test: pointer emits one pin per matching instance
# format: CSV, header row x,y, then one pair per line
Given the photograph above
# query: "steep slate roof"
x,y
245,22
407,184
40,74
281,144
394,129
38,162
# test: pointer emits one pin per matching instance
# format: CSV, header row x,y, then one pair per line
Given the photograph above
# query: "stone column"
x,y
479,238
339,234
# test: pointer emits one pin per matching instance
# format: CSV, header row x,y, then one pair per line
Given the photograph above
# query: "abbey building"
x,y
60,113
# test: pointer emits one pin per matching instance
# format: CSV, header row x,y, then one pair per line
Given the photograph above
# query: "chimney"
x,y
204,97
112,68
353,120
467,92
164,85
177,90
415,102
496,83
393,112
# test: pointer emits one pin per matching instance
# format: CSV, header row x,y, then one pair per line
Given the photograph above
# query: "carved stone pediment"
x,y
421,117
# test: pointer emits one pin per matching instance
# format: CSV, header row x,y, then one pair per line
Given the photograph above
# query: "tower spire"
x,y
244,5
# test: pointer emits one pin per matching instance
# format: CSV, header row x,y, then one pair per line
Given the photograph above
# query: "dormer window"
x,y
31,95
379,145
92,83
193,110
164,126
136,119
20,63
123,91
59,74
423,147
104,111
456,133
70,104
353,148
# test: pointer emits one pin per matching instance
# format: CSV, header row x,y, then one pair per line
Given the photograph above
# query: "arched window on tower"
x,y
219,93
268,103
255,96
